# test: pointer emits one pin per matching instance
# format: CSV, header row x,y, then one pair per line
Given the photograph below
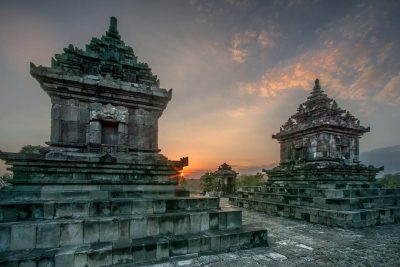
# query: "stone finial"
x,y
317,86
112,30
113,24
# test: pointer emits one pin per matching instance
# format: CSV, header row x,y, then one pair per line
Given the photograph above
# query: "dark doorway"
x,y
109,133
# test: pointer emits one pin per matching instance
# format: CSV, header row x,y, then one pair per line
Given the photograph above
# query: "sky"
x,y
238,69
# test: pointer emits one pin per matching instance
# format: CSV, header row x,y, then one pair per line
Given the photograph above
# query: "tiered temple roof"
x,y
107,56
320,112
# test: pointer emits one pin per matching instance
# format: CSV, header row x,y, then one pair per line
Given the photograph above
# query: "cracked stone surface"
x,y
298,243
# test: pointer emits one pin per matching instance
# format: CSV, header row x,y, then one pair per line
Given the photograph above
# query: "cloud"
x,y
265,40
348,58
242,42
390,92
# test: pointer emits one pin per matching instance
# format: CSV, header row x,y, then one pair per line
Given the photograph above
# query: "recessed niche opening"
x,y
109,133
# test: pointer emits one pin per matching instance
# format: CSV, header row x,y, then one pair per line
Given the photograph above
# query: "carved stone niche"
x,y
108,126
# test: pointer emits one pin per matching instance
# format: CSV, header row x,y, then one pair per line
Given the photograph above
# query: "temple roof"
x,y
107,57
225,169
320,112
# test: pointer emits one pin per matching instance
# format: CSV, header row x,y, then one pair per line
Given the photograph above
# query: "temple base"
x,y
110,210
346,197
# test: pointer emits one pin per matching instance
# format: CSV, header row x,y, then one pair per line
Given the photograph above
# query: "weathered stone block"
x,y
100,209
205,222
5,238
122,253
49,262
195,223
91,232
71,234
81,260
48,235
109,231
179,247
214,221
28,263
80,210
123,229
225,242
138,228
205,244
245,239
23,237
100,256
64,210
162,250
194,245
152,226
48,210
166,225
181,224
65,258
222,220
159,206
215,243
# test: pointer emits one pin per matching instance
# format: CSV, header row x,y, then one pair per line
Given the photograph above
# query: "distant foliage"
x,y
4,179
208,182
390,180
182,181
30,149
250,180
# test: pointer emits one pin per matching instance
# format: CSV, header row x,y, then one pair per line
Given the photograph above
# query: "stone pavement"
x,y
298,243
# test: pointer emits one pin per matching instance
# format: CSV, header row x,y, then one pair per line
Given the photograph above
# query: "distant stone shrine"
x,y
101,194
226,177
320,178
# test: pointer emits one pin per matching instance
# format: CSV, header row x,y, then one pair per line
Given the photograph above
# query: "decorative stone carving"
x,y
110,113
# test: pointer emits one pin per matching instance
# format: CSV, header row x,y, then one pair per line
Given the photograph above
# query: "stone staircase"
x,y
103,225
344,204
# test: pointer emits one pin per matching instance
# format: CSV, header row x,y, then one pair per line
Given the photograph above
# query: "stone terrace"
x,y
298,243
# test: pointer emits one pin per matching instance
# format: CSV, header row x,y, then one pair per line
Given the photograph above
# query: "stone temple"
x,y
226,179
320,178
101,193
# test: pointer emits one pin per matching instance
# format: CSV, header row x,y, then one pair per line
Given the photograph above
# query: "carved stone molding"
x,y
109,113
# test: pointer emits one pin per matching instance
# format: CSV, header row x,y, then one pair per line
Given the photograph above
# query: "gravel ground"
x,y
297,243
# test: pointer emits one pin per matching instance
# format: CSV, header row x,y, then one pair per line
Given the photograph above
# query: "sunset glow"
x,y
238,69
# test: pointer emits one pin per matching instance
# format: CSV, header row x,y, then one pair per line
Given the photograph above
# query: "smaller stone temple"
x,y
101,193
226,177
320,178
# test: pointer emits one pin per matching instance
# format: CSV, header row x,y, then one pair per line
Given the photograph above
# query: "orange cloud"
x,y
240,42
391,91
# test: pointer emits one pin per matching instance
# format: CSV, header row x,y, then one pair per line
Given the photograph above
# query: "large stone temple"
x,y
101,193
320,178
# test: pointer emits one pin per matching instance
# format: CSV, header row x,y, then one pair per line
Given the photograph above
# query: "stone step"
x,y
330,193
330,217
64,232
323,202
150,250
36,210
74,192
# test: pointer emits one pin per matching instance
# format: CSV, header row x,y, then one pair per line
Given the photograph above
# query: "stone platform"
x,y
335,196
56,220
296,243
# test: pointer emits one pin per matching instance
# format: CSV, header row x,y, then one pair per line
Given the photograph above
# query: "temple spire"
x,y
112,30
317,89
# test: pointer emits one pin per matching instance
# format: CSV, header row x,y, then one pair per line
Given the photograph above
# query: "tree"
x,y
4,179
250,180
390,180
208,182
182,181
30,149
